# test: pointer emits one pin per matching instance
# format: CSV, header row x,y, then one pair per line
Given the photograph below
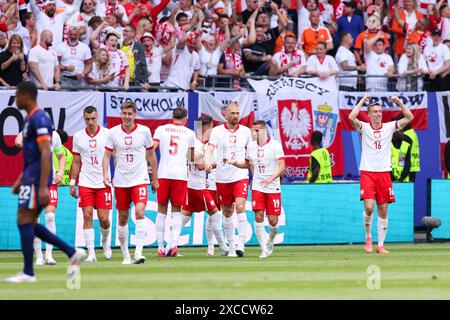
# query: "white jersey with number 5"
x,y
264,159
230,145
131,147
175,140
376,146
91,149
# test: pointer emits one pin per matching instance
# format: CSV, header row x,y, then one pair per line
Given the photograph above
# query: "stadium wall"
x,y
309,216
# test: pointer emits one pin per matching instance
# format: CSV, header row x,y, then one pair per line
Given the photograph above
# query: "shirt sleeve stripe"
x,y
109,149
42,138
75,153
150,148
280,158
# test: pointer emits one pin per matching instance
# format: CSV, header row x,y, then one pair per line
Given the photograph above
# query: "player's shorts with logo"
x,y
29,191
377,186
269,202
173,190
53,190
228,192
199,201
136,194
96,198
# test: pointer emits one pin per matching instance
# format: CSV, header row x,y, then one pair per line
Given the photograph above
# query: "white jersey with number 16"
x,y
131,164
376,146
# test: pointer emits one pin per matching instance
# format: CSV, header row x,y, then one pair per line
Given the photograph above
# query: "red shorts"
x,y
199,201
173,190
228,192
53,190
213,194
124,196
377,186
96,198
269,202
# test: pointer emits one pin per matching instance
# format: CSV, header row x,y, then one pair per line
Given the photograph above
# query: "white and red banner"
x,y
417,102
65,109
153,109
293,108
214,105
443,104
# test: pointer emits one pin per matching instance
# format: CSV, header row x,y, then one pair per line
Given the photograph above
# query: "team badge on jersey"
x,y
377,134
260,153
232,139
128,141
92,144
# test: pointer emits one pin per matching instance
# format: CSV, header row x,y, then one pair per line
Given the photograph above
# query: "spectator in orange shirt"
x,y
420,35
404,22
373,27
313,35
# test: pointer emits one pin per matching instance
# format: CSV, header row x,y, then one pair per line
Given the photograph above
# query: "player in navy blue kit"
x,y
32,185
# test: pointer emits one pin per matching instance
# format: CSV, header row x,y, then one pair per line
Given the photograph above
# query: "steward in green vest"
x,y
319,161
447,158
415,149
401,147
69,159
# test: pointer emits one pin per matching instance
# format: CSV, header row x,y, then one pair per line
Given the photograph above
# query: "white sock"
x,y
51,226
176,228
382,230
89,237
228,226
367,224
160,226
216,223
105,235
242,228
140,237
184,220
273,232
37,247
261,234
209,231
123,239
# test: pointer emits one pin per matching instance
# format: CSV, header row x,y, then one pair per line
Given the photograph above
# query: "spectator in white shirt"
x,y
185,64
75,59
323,66
44,65
411,67
15,27
154,54
49,20
101,75
378,63
291,61
30,24
112,6
437,56
346,61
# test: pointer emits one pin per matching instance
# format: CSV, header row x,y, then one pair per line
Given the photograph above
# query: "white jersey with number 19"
x,y
131,164
175,140
376,146
91,149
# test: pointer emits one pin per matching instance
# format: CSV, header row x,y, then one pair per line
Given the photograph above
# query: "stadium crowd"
x,y
399,45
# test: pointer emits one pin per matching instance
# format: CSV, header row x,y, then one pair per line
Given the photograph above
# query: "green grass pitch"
x,y
411,271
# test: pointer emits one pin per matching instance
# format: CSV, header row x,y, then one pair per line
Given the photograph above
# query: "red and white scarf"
x,y
233,60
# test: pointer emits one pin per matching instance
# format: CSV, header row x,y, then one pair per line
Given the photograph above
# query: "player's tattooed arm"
x,y
151,159
74,172
105,165
406,112
356,124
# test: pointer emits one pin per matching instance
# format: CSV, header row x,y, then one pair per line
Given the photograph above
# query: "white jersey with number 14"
x,y
376,146
91,149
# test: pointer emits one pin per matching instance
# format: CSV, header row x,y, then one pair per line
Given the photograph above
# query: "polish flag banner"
x,y
241,5
153,110
215,105
443,103
417,102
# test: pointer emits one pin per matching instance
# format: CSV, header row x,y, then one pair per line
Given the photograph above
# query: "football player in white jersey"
x,y
50,209
134,154
201,197
231,141
267,163
176,145
88,150
375,165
